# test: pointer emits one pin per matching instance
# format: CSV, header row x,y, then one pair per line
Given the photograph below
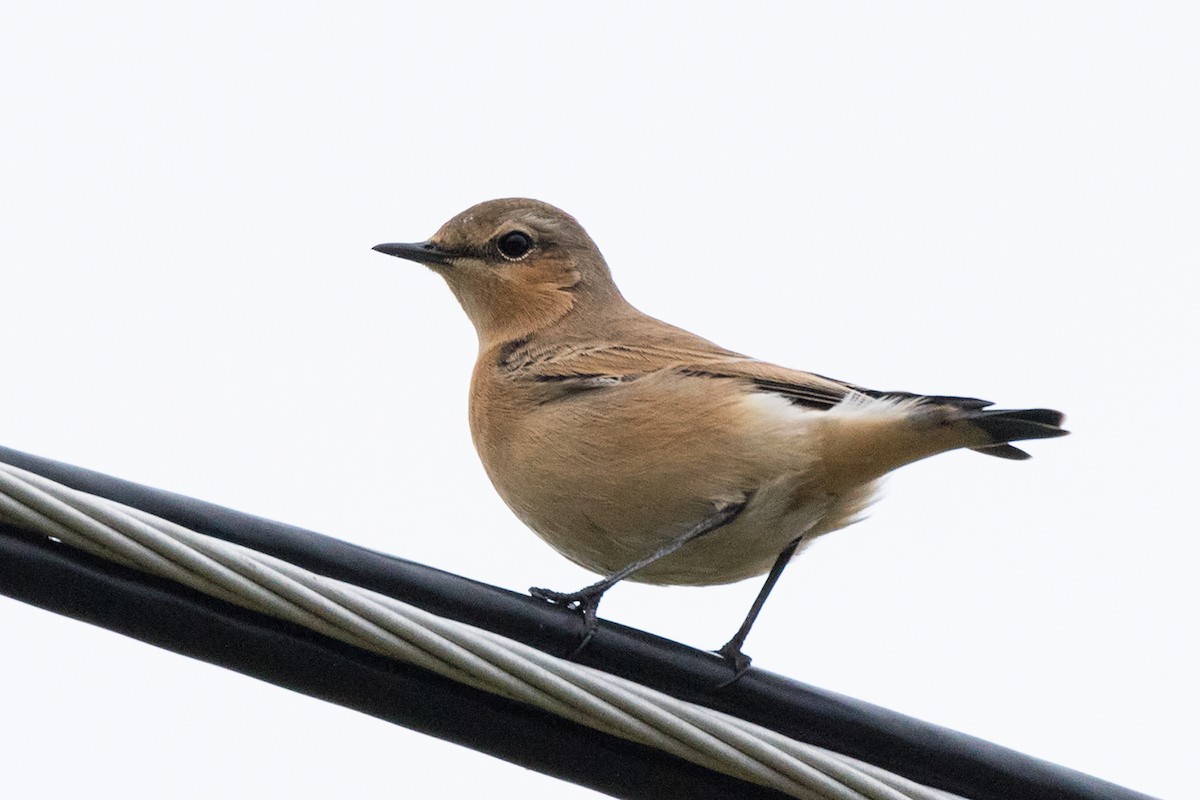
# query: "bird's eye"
x,y
514,245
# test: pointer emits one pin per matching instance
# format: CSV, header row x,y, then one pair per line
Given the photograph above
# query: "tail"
x,y
1000,426
862,441
1004,426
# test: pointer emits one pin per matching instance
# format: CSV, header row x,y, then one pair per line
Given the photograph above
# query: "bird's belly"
x,y
777,514
608,484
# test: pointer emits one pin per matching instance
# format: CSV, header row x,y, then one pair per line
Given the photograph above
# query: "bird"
x,y
641,451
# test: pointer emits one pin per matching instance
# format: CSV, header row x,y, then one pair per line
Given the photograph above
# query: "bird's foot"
x,y
731,651
585,601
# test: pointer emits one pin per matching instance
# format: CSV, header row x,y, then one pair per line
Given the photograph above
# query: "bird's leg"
x,y
731,651
587,599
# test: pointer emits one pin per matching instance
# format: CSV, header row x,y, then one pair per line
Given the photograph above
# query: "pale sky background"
x,y
992,199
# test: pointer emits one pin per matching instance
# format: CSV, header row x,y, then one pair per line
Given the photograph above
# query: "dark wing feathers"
x,y
806,394
939,399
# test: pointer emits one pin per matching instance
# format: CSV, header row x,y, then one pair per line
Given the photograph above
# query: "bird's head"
x,y
515,265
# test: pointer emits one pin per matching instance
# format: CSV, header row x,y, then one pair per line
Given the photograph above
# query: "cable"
x,y
953,760
452,649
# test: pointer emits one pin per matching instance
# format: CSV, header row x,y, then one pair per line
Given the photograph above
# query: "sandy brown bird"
x,y
641,451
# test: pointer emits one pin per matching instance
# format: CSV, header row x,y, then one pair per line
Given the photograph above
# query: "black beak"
x,y
421,252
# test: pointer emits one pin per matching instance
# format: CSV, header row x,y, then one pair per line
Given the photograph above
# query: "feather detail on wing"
x,y
597,365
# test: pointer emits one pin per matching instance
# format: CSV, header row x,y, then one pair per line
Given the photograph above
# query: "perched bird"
x,y
641,451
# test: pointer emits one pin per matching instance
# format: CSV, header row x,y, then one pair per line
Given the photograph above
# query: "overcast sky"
x,y
988,199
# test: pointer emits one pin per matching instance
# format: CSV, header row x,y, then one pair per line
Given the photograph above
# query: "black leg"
x,y
587,599
732,650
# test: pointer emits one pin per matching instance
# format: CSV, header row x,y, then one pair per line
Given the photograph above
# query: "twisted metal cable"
x,y
478,658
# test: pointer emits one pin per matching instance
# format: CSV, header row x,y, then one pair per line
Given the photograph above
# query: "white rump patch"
x,y
776,407
857,404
